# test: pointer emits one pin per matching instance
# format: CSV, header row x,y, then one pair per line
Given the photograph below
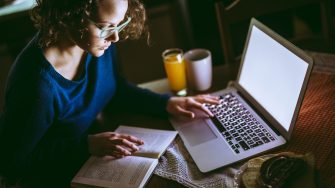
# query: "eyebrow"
x,y
111,23
107,24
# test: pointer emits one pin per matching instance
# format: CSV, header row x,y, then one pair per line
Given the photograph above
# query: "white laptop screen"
x,y
273,76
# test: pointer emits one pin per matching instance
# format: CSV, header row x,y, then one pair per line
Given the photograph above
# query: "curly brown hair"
x,y
51,17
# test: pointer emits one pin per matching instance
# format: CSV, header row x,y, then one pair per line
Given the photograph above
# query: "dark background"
x,y
184,24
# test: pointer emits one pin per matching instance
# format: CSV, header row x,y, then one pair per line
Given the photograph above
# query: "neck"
x,y
68,48
65,51
67,58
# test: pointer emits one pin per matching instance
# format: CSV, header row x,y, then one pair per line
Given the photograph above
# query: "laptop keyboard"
x,y
237,125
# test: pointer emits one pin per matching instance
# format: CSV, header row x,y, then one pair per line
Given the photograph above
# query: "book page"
x,y
155,141
130,171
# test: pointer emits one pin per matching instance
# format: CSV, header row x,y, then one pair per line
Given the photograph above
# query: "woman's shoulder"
x,y
30,61
28,69
31,50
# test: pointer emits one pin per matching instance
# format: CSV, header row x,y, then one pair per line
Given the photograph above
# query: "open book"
x,y
130,171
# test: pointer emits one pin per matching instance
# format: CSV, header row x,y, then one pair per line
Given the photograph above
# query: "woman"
x,y
59,83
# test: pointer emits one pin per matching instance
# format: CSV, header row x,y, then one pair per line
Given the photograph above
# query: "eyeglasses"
x,y
108,31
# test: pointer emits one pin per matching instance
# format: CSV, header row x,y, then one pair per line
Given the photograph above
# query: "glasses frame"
x,y
109,30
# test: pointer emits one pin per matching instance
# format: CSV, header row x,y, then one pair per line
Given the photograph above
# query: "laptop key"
x,y
256,139
261,134
237,125
255,145
244,145
232,131
265,139
250,142
226,134
218,124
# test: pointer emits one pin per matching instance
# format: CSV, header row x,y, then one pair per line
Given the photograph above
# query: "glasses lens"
x,y
110,31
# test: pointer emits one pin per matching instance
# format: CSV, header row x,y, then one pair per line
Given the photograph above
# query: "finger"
x,y
126,143
113,134
211,101
184,112
132,139
117,155
121,150
208,99
210,96
203,108
112,152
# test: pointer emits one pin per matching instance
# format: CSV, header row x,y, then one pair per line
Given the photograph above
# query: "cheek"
x,y
97,53
92,45
89,41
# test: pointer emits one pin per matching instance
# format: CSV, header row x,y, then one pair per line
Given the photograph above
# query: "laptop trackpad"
x,y
197,132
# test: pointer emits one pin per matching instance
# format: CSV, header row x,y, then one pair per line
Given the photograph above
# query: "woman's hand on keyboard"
x,y
186,106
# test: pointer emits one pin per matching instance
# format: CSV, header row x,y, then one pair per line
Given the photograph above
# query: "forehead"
x,y
111,11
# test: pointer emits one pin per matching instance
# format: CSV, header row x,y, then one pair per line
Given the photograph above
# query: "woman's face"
x,y
110,13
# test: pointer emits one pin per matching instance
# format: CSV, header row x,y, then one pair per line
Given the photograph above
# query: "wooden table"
x,y
315,129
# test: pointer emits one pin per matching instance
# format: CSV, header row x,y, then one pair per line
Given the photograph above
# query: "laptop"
x,y
256,114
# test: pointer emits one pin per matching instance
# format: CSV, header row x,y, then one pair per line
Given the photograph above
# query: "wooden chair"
x,y
230,12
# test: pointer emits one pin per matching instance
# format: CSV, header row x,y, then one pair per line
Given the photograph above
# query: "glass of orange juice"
x,y
175,70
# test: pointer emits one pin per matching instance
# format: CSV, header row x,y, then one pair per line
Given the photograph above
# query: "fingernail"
x,y
135,147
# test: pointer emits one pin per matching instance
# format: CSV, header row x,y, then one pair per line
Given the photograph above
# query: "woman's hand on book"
x,y
113,144
186,106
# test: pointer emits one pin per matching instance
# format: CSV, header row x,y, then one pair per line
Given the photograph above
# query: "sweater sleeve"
x,y
28,117
132,98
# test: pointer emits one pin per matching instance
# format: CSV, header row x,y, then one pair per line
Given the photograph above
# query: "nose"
x,y
113,37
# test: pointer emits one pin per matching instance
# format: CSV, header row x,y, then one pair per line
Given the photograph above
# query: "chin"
x,y
97,53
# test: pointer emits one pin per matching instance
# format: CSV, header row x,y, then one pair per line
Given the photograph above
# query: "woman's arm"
x,y
26,121
132,98
27,115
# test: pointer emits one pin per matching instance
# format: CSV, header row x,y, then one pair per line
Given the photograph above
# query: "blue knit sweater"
x,y
45,119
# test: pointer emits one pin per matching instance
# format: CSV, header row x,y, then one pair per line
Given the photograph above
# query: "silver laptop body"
x,y
271,83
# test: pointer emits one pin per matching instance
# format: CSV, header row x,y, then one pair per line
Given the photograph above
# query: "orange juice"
x,y
175,70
